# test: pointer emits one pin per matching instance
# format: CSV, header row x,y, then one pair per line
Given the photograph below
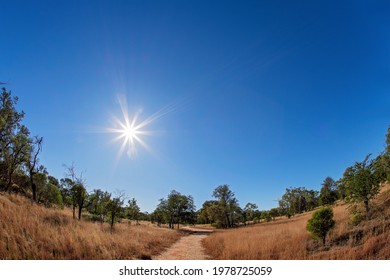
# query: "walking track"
x,y
188,247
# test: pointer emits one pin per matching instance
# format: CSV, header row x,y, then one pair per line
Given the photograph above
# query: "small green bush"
x,y
356,215
321,223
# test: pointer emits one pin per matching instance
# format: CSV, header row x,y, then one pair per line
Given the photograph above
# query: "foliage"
x,y
265,215
328,193
176,209
226,209
114,207
298,200
321,223
79,197
34,149
341,189
14,139
249,212
99,200
362,182
51,195
383,160
274,212
133,210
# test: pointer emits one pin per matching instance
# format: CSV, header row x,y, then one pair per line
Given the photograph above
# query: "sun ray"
x,y
130,129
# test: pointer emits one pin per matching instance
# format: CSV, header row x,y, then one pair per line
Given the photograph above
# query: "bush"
x,y
321,223
356,215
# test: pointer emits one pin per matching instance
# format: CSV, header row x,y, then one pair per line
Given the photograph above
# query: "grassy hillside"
x,y
30,231
288,238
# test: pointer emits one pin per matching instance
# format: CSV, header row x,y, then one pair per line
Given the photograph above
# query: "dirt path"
x,y
187,248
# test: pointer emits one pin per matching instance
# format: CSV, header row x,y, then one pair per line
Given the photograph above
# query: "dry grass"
x,y
288,239
29,231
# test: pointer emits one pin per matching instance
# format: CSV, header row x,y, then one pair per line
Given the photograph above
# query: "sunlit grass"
x,y
288,239
29,231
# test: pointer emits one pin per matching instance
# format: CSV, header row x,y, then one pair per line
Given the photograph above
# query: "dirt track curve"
x,y
187,248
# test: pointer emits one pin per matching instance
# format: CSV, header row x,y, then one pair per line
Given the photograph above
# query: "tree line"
x,y
21,172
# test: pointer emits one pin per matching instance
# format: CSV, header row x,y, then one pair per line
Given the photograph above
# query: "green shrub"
x,y
321,223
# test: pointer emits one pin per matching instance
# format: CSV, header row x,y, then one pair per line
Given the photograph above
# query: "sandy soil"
x,y
187,248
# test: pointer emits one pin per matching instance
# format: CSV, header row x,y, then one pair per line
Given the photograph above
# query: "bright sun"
x,y
130,130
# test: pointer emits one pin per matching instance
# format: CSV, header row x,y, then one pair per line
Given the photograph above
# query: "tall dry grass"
x,y
30,231
288,239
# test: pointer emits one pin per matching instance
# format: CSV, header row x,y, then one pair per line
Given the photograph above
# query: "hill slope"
x,y
288,239
30,231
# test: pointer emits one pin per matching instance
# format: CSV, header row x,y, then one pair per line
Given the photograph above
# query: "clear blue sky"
x,y
266,94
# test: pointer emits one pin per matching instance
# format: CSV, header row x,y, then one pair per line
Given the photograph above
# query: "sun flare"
x,y
130,129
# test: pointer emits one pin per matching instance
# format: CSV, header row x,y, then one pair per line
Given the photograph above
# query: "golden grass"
x,y
30,231
288,239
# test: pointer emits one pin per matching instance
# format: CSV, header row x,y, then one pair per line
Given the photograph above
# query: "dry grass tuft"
x,y
30,231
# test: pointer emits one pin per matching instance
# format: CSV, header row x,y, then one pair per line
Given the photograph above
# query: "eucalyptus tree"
x,y
328,192
133,210
363,181
32,162
14,139
176,209
249,212
99,200
298,200
228,208
115,209
76,190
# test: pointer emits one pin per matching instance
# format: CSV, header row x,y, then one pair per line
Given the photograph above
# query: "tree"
x,y
249,212
133,210
383,160
65,186
177,208
158,216
363,182
14,139
274,212
48,189
328,193
76,190
98,204
79,199
35,148
298,200
115,209
341,189
50,195
321,223
206,213
265,215
228,206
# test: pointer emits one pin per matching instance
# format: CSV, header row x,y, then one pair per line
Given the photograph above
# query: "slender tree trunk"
x,y
112,221
80,210
9,182
367,207
34,191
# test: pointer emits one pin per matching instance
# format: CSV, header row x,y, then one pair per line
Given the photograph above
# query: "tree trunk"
x,y
367,207
9,182
34,191
80,210
112,221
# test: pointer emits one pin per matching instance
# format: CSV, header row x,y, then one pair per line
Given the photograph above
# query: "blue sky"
x,y
265,94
